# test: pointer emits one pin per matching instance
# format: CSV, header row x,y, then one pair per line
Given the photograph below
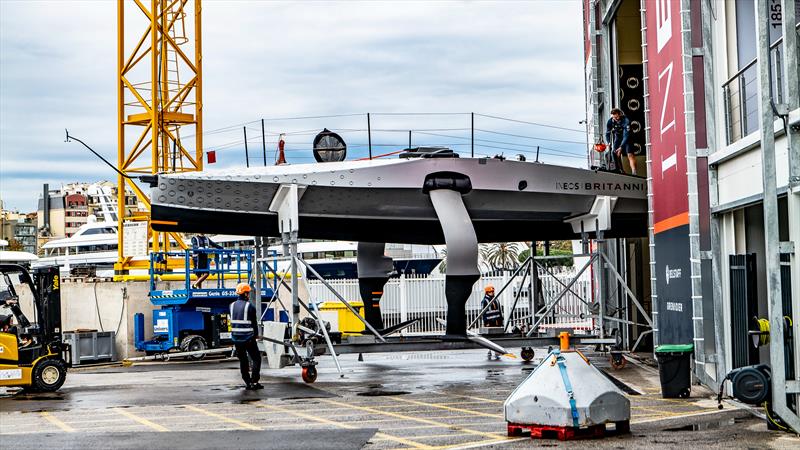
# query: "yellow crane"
x,y
159,111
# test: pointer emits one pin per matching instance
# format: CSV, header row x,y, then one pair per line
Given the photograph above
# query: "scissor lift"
x,y
190,319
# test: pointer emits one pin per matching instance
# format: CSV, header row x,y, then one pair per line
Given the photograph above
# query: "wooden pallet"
x,y
565,433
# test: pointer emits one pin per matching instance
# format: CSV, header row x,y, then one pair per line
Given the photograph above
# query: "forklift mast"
x,y
48,302
45,286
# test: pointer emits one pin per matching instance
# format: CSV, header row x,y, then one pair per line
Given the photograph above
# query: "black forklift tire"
x,y
194,343
48,375
527,353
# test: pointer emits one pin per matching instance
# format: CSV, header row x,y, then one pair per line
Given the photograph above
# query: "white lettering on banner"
x,y
673,274
11,374
668,72
670,162
675,306
663,22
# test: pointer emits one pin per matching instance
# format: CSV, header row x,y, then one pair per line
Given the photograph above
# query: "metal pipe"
x,y
246,154
771,227
561,294
628,291
472,135
369,136
496,297
264,142
516,299
549,272
341,299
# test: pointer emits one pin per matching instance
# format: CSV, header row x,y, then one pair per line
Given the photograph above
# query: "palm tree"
x,y
502,256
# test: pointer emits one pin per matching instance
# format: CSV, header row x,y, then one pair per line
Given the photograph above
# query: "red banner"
x,y
666,119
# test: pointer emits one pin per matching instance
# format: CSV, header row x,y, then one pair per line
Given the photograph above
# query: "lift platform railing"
x,y
233,266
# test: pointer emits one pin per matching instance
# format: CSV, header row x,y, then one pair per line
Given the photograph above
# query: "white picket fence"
x,y
412,297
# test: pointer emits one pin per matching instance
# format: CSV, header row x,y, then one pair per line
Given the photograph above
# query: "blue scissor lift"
x,y
195,319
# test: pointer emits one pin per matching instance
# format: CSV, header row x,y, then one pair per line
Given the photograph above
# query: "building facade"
x,y
713,89
70,206
19,230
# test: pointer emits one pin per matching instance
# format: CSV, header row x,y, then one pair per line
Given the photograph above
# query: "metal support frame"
x,y
693,199
717,293
560,295
499,293
792,78
771,234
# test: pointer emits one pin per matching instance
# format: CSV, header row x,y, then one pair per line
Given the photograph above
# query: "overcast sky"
x,y
265,59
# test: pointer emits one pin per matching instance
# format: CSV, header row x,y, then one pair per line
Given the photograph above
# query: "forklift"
x,y
32,355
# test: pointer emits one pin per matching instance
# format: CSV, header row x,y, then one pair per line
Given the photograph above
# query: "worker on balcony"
x,y
200,245
617,132
492,313
244,329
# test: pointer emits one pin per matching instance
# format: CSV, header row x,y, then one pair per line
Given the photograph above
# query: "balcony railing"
x,y
740,93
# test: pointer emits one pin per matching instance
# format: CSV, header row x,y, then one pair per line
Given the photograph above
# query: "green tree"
x,y
557,248
502,255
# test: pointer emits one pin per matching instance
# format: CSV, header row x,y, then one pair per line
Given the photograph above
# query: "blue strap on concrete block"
x,y
568,387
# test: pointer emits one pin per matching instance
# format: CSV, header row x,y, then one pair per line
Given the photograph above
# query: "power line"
x,y
531,123
531,137
420,114
503,143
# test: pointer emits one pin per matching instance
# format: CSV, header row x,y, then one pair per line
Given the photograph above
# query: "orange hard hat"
x,y
488,288
242,288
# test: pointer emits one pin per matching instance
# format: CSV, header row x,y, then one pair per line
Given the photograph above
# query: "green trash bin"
x,y
675,370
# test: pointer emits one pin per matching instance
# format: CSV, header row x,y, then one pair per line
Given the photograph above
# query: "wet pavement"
x,y
399,400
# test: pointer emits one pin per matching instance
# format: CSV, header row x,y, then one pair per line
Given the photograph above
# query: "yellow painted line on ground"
x,y
482,399
415,419
141,420
431,436
399,440
241,424
477,444
679,415
449,408
55,421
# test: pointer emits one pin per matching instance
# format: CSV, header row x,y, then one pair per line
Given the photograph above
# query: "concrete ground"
x,y
392,400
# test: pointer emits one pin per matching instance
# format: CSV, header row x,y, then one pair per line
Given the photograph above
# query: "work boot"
x,y
257,386
250,387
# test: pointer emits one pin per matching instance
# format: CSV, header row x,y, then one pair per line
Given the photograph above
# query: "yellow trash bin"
x,y
341,318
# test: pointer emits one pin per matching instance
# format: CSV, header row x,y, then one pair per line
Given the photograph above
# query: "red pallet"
x,y
564,433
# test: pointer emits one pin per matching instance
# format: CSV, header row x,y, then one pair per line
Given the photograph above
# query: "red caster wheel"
x,y
618,361
309,374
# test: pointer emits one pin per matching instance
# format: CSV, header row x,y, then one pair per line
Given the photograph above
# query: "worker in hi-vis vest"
x,y
244,329
493,314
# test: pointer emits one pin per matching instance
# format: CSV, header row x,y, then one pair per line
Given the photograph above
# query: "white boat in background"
x,y
94,245
15,257
337,259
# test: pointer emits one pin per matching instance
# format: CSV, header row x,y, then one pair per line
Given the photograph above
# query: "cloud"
x,y
283,59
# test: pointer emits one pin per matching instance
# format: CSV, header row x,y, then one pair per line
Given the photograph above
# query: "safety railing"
x,y
420,297
235,266
740,93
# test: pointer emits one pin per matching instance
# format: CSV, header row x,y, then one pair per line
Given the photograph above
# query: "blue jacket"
x,y
619,130
244,325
